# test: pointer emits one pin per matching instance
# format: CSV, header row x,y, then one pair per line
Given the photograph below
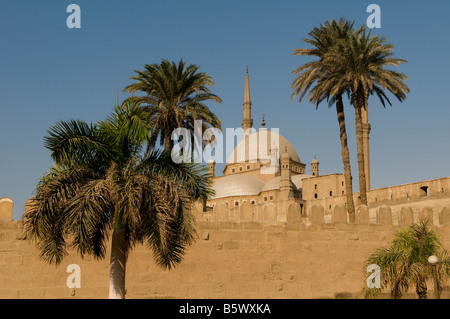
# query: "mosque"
x,y
251,177
252,188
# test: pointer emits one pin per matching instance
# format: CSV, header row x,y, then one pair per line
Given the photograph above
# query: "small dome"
x,y
275,183
315,161
237,185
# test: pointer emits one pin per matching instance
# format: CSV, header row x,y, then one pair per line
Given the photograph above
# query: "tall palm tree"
x,y
100,183
360,63
323,39
174,97
405,262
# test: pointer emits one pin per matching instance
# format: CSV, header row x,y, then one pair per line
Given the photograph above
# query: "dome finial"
x,y
263,123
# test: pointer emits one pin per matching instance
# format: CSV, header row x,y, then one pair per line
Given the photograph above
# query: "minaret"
x,y
285,187
212,167
247,121
315,167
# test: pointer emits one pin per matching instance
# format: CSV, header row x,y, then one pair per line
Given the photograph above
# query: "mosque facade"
x,y
265,177
264,170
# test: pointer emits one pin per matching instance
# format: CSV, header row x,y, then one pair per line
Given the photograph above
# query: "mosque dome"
x,y
256,141
237,185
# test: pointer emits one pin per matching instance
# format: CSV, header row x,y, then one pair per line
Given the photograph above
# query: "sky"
x,y
49,72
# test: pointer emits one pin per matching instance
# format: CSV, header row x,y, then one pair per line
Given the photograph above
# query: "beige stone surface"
x,y
6,208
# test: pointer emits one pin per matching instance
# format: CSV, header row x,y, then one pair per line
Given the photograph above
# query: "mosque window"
x,y
252,202
424,191
236,203
271,197
265,199
315,186
248,166
233,170
240,169
315,195
331,193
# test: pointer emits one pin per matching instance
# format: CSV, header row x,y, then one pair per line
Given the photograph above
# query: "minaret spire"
x,y
247,121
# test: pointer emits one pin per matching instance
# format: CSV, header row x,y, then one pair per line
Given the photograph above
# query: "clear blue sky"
x,y
49,73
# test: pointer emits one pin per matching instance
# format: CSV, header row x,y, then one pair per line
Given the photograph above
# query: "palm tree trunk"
x,y
168,143
421,289
396,292
345,159
360,154
117,264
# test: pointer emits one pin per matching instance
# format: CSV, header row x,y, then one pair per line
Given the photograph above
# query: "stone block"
x,y
220,212
384,215
362,214
444,216
406,217
294,213
339,214
426,214
269,213
246,212
6,208
317,215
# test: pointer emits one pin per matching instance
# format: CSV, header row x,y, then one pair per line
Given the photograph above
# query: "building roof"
x,y
297,180
237,185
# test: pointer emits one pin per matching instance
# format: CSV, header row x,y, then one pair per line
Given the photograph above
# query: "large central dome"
x,y
260,145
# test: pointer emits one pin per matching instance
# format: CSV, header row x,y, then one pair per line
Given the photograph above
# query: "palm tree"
x,y
100,182
405,262
323,39
174,97
360,63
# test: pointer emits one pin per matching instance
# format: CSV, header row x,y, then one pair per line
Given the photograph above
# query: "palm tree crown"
x,y
312,77
174,97
359,64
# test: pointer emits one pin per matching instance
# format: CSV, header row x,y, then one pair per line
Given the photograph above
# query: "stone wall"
x,y
413,194
312,257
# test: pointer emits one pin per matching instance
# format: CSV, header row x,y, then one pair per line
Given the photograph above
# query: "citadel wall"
x,y
313,257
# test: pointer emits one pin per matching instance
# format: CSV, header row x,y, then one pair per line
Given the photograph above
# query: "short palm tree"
x,y
100,183
405,262
174,97
323,39
360,64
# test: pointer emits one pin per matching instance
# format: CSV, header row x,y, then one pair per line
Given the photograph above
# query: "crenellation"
x,y
243,259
